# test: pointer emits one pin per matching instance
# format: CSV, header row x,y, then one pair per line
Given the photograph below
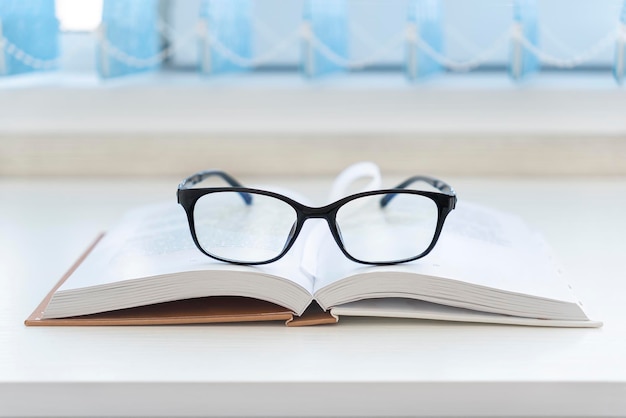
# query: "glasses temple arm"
x,y
199,177
442,186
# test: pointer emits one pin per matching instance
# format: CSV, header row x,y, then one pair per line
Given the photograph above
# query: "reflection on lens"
x,y
229,228
402,229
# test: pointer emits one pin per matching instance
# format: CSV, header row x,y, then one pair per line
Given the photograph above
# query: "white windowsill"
x,y
282,115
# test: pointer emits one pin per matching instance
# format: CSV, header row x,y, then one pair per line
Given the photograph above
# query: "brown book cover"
x,y
214,309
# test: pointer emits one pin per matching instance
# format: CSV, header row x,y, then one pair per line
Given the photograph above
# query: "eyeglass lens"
x,y
401,229
230,228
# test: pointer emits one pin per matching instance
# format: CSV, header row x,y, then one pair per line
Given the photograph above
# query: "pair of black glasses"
x,y
243,225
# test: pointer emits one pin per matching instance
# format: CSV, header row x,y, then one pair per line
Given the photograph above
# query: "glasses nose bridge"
x,y
325,214
316,213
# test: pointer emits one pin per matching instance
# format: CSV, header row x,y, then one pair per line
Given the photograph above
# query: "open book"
x,y
487,267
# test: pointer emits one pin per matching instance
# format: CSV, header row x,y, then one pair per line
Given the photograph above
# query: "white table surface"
x,y
360,367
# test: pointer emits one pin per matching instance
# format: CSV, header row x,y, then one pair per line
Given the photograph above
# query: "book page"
x,y
419,309
156,240
478,246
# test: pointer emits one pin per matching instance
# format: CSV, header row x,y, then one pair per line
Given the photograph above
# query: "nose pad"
x,y
292,231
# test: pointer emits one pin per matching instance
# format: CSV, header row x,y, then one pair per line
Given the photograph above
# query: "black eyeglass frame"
x,y
188,196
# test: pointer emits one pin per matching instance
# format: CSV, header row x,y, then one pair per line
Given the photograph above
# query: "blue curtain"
x,y
619,66
30,30
522,61
425,19
327,21
227,42
130,37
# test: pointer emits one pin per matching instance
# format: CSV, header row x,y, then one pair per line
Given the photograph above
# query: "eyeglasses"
x,y
243,225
